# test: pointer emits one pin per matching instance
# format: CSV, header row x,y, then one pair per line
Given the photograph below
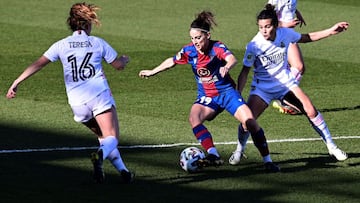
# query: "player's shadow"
x,y
340,109
335,109
321,161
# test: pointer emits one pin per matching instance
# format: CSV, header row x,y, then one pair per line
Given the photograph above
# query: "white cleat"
x,y
235,158
338,154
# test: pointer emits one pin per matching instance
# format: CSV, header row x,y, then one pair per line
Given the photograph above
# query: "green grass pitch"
x,y
155,111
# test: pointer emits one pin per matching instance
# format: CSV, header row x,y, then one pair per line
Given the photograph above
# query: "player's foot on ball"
x,y
97,160
236,157
270,167
210,160
127,176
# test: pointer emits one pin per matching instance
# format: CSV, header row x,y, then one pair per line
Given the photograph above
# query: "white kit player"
x,y
267,53
287,13
87,89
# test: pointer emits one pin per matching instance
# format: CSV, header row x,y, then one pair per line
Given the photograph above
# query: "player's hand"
x,y
339,27
223,71
124,59
11,92
145,73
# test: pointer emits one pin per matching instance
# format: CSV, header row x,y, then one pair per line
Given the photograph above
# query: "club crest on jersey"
x,y
249,56
203,72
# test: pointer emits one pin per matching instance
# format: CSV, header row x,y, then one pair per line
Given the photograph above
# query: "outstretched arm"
x,y
29,71
168,63
315,36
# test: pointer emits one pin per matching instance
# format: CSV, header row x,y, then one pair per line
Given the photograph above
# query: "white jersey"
x,y
285,9
269,58
81,56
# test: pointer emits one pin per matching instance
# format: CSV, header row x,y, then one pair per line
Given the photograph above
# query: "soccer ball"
x,y
189,157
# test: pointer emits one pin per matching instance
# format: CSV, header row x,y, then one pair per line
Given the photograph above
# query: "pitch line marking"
x,y
163,145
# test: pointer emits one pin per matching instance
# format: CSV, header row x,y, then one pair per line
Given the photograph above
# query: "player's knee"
x,y
252,126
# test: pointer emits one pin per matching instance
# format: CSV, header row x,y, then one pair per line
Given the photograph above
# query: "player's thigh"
x,y
108,122
256,105
199,113
306,102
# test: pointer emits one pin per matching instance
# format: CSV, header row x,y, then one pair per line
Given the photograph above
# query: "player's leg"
x,y
318,123
243,133
297,68
109,125
200,111
245,115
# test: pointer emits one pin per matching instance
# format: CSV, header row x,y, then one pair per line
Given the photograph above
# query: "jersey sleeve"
x,y
109,53
249,56
53,52
295,36
222,51
181,57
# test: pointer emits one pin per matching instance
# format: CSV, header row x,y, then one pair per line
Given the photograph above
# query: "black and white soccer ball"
x,y
189,157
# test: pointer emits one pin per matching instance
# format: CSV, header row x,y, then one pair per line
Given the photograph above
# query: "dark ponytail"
x,y
269,13
204,21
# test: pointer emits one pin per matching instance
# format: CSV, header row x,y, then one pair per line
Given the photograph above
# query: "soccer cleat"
x,y
338,154
236,157
97,160
270,167
284,108
210,160
127,176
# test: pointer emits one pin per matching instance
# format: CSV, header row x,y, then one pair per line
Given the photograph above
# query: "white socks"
x,y
320,126
107,145
116,160
110,151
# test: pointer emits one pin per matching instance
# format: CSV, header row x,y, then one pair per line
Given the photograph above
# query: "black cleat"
x,y
210,160
127,176
97,160
270,167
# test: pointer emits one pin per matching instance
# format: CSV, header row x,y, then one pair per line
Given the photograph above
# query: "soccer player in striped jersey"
x,y
211,62
267,53
87,89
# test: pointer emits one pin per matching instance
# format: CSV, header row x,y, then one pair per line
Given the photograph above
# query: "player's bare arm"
x,y
242,78
231,61
29,71
315,36
168,63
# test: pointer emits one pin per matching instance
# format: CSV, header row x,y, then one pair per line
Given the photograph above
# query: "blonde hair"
x,y
82,15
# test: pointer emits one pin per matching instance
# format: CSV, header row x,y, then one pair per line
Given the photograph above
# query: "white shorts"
x,y
83,113
269,91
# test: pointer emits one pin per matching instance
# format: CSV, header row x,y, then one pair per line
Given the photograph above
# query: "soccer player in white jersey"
x,y
288,16
87,89
267,53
